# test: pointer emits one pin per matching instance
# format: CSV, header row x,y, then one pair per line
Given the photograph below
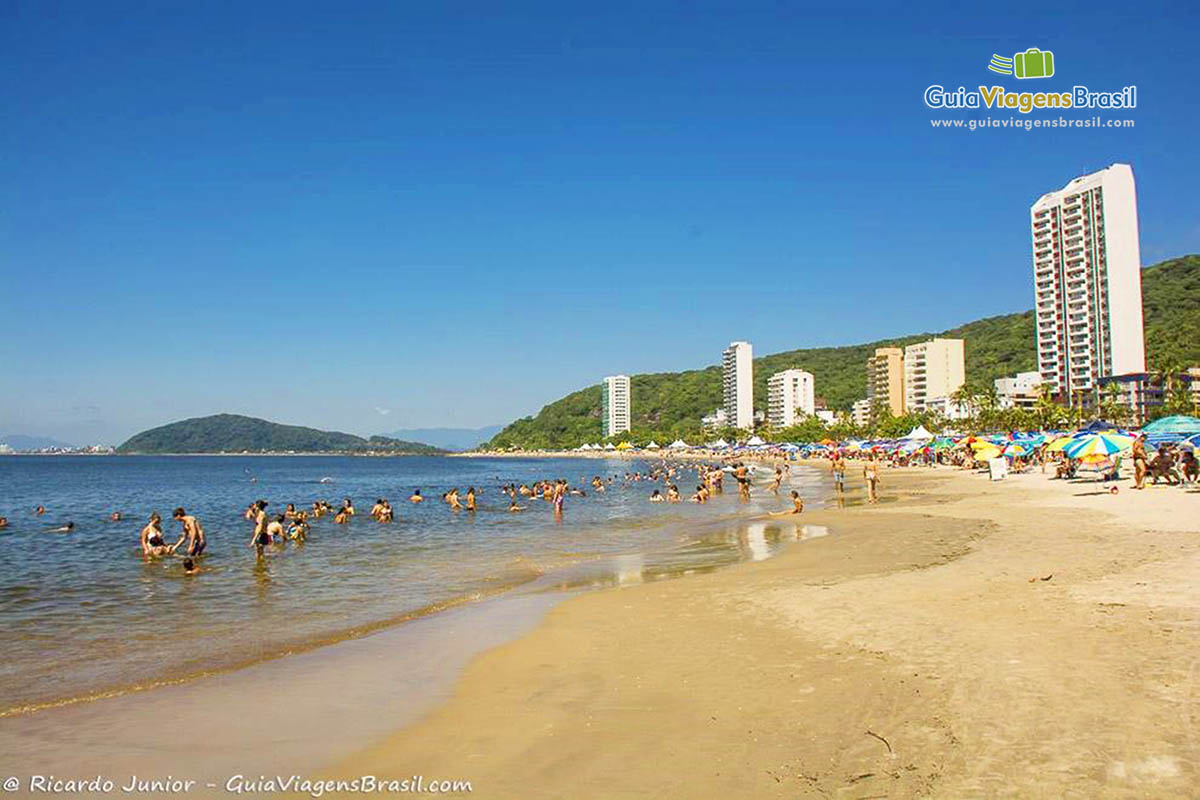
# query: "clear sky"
x,y
370,216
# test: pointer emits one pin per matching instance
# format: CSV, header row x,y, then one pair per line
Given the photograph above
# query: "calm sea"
x,y
83,614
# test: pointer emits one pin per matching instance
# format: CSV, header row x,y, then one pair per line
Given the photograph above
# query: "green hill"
x,y
670,404
230,433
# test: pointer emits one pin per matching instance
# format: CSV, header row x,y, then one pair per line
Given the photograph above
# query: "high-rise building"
x,y
1088,281
788,392
737,374
933,370
614,405
885,379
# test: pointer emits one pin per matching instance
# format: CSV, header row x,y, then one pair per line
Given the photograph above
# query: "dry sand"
x,y
1030,638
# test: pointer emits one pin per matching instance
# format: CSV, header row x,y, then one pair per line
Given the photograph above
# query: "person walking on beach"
x,y
1139,461
838,467
871,474
192,531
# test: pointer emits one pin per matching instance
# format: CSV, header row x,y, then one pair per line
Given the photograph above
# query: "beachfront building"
x,y
826,416
1087,275
933,369
714,421
1143,393
860,412
1019,391
615,405
885,379
790,397
737,376
948,408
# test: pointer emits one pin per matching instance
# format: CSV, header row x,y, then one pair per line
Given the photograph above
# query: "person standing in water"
x,y
192,531
152,538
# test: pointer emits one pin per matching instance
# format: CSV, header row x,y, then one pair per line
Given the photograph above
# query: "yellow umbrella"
x,y
624,446
1059,443
986,451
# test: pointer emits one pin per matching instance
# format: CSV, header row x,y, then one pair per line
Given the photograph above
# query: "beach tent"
x,y
624,446
755,441
652,446
919,432
720,443
678,444
609,446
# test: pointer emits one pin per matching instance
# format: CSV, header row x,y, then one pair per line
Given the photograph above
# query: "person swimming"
x,y
513,508
115,516
189,567
69,527
40,510
656,497
471,498
275,528
3,522
416,497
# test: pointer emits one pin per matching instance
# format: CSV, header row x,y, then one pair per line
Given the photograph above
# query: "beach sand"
x,y
1028,638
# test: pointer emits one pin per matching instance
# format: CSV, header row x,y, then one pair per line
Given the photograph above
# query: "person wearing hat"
x,y
1139,461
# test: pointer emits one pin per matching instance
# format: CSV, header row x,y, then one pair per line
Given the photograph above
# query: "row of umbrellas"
x,y
1097,441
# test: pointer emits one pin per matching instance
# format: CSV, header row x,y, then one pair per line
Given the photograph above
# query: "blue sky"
x,y
454,213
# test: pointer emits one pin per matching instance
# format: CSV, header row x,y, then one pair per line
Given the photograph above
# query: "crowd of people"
x,y
293,525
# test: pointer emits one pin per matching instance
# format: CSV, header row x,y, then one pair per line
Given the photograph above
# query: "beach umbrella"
x,y
678,444
1059,443
987,452
624,446
1098,443
827,442
755,441
1177,423
609,446
1017,449
652,446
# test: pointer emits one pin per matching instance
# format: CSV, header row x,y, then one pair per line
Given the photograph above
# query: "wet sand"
x,y
1030,638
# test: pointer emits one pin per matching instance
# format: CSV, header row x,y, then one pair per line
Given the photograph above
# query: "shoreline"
x,y
962,638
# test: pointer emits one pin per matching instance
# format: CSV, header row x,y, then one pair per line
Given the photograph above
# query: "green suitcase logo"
x,y
1033,63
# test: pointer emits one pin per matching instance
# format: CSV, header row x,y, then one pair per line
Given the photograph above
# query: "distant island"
x,y
232,433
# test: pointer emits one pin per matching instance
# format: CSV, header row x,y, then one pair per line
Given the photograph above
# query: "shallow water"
x,y
84,614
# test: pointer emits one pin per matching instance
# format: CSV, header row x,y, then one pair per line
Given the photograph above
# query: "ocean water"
x,y
84,614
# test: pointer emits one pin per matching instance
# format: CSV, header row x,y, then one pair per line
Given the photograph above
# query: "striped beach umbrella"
x,y
1104,444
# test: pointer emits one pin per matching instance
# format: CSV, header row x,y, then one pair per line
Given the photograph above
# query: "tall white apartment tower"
x,y
737,373
788,392
614,405
1087,274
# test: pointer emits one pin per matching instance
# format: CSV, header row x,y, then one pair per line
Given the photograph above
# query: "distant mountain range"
x,y
449,438
20,442
231,433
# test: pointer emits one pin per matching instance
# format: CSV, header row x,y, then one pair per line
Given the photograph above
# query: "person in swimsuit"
x,y
260,538
838,466
115,516
513,508
416,497
189,567
348,507
1139,462
152,538
471,498
3,522
656,496
871,474
40,510
275,528
193,531
68,528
